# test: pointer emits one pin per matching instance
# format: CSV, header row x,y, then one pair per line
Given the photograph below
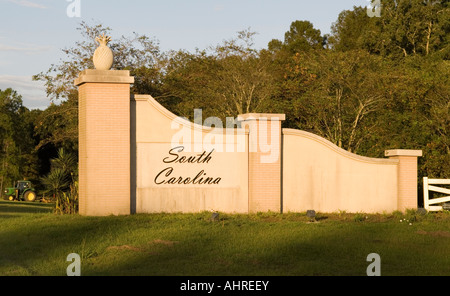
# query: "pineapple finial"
x,y
103,55
103,40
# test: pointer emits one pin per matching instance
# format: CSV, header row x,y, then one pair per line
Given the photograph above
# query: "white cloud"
x,y
25,48
32,92
21,81
26,3
219,7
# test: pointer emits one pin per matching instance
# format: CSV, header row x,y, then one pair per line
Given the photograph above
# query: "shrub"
x,y
67,202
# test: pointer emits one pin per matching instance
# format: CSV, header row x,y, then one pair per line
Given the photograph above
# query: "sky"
x,y
33,32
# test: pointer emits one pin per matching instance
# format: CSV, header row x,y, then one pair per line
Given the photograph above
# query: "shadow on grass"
x,y
278,249
192,245
21,207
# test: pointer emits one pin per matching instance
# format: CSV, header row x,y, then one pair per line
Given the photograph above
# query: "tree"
x,y
231,79
405,27
130,53
62,182
352,30
17,160
301,37
339,95
428,103
56,182
57,126
412,38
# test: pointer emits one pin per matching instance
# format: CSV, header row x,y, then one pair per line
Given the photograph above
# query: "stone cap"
x,y
104,76
138,97
403,152
261,116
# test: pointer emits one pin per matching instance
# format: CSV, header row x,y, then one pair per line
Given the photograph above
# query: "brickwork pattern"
x,y
104,148
264,177
407,182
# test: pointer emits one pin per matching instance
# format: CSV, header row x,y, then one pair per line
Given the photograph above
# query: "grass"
x,y
35,241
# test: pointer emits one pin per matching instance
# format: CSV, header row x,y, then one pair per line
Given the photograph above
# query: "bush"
x,y
67,202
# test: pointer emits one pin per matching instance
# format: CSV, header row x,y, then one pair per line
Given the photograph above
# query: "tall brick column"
x,y
104,142
407,177
264,167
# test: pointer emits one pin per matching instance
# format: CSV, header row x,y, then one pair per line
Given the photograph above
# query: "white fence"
x,y
428,203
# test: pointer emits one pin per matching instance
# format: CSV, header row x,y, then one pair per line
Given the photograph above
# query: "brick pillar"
x,y
264,167
407,177
104,142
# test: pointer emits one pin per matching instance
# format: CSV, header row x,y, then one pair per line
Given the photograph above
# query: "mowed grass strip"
x,y
34,241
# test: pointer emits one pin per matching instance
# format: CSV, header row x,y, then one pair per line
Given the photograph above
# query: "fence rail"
x,y
429,204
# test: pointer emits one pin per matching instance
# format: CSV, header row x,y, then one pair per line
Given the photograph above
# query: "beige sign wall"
x,y
183,167
137,157
319,175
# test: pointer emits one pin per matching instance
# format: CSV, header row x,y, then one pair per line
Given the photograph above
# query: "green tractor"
x,y
23,191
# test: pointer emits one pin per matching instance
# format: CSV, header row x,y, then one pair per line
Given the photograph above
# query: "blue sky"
x,y
33,32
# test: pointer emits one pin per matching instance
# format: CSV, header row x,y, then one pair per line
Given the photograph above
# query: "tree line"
x,y
372,84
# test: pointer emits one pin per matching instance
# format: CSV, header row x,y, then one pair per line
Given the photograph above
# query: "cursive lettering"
x,y
199,158
166,177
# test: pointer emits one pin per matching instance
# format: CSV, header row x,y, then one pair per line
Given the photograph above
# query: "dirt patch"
x,y
163,242
145,248
125,247
223,262
440,233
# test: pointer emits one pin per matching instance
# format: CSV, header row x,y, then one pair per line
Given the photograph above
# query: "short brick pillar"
x,y
407,177
104,142
264,161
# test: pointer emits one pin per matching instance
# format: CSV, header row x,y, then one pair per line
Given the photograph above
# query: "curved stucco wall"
x,y
318,175
155,130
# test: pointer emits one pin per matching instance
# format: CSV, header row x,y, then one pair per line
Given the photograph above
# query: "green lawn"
x,y
34,241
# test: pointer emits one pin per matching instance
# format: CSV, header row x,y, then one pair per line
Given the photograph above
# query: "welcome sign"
x,y
166,177
173,178
151,162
